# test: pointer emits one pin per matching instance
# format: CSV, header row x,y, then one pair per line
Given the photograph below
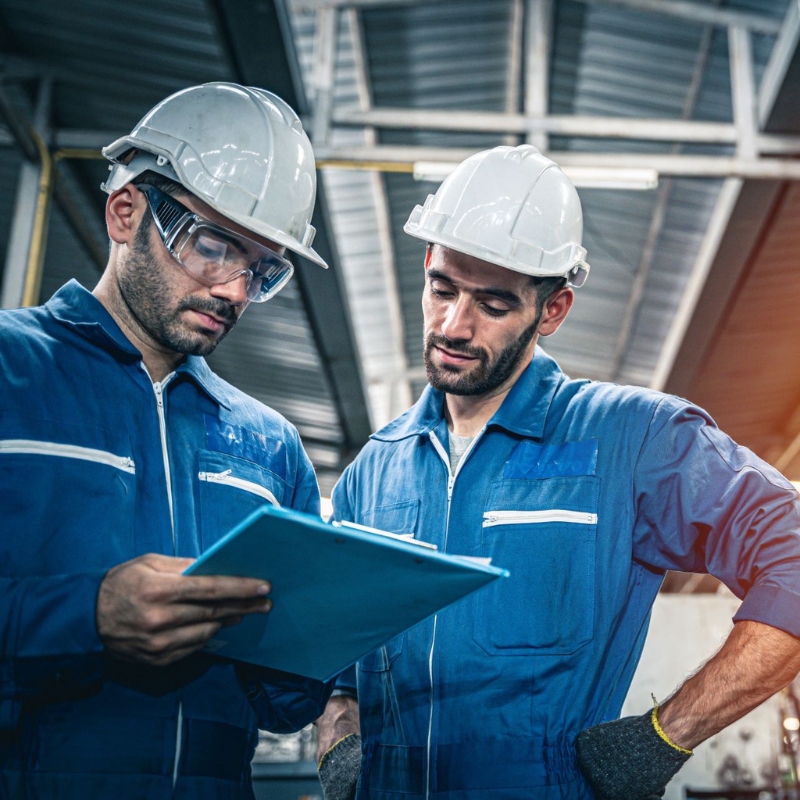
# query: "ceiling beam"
x,y
660,208
697,12
539,122
585,127
743,92
400,395
323,73
690,11
777,107
403,157
538,25
717,227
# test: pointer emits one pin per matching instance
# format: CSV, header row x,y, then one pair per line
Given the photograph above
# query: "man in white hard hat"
x,y
587,493
123,457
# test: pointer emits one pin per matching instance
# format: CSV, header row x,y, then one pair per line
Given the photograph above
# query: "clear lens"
x,y
269,278
214,254
218,256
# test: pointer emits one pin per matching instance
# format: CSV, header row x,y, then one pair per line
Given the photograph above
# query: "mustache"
x,y
434,340
217,308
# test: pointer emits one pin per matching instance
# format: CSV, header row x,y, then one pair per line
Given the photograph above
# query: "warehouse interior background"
x,y
678,120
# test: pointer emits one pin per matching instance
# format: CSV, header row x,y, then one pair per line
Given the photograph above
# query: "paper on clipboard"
x,y
339,591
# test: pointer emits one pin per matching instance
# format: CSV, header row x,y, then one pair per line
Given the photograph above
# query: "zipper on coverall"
x,y
158,388
451,479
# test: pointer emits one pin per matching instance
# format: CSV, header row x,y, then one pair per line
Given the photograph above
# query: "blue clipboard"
x,y
339,591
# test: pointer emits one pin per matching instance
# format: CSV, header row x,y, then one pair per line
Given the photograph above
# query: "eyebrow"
x,y
501,294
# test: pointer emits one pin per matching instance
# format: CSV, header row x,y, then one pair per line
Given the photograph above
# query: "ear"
x,y
555,311
428,254
124,211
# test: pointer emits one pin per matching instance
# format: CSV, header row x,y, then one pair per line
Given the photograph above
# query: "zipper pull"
x,y
214,476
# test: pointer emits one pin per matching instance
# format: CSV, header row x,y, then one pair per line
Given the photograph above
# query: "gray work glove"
x,y
629,759
338,769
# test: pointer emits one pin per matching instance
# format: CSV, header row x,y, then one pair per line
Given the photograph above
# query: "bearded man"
x,y
587,493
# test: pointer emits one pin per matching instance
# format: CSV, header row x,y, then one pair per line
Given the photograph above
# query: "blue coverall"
x,y
97,466
587,492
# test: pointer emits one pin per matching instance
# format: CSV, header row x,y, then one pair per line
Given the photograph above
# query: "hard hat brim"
x,y
117,151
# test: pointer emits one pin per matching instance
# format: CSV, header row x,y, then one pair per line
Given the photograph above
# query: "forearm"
x,y
48,639
755,662
340,719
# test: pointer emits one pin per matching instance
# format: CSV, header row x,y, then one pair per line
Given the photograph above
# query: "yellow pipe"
x,y
370,166
34,267
77,152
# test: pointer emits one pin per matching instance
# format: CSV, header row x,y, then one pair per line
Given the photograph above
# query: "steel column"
x,y
25,253
324,73
717,227
537,66
743,92
400,390
657,220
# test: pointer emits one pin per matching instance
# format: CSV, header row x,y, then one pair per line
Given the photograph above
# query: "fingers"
x,y
178,614
148,611
200,588
170,646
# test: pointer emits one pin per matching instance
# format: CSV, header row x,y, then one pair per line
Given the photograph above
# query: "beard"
x,y
485,376
147,291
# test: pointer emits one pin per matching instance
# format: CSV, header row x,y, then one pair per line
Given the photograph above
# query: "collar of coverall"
x,y
78,309
523,412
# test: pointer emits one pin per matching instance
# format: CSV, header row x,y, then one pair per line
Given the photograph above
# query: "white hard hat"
x,y
241,150
510,206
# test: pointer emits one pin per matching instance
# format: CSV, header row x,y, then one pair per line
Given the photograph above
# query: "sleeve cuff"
x,y
61,617
346,683
773,606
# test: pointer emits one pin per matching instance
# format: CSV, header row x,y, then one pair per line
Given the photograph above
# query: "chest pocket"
x,y
395,518
544,532
229,489
69,491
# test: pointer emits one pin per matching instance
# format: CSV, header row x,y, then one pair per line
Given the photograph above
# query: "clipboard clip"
x,y
403,537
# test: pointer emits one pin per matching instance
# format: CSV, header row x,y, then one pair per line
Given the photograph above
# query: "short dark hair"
x,y
162,183
546,288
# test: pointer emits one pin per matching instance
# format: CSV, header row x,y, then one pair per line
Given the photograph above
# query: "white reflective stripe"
x,y
491,518
36,448
227,479
178,745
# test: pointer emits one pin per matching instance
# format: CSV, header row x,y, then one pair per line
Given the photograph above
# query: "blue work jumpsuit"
x,y
97,466
587,493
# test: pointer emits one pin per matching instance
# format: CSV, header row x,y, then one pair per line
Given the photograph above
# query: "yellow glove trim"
x,y
660,732
333,747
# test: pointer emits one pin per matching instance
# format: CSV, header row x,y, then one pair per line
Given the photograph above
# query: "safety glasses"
x,y
212,254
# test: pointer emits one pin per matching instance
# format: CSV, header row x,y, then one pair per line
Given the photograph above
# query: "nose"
x,y
458,323
233,291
